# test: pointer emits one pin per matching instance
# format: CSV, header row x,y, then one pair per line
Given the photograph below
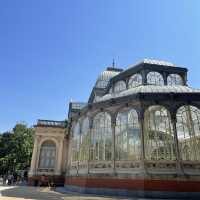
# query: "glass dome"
x,y
104,77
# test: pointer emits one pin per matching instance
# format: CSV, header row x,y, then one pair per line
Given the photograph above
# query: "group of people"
x,y
17,178
13,178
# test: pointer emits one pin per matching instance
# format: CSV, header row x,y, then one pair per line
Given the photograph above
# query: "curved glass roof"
x,y
150,89
104,77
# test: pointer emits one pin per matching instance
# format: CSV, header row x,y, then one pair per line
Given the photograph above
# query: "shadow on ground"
x,y
39,193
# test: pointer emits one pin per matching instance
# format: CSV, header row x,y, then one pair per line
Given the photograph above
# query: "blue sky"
x,y
52,51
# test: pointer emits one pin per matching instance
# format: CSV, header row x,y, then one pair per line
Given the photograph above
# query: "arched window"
x,y
47,155
76,142
174,79
135,80
188,132
101,140
119,86
155,78
127,139
158,134
84,140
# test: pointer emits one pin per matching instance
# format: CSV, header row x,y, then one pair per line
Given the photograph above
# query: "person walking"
x,y
9,179
4,179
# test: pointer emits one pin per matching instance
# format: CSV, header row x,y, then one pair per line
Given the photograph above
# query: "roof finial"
x,y
113,63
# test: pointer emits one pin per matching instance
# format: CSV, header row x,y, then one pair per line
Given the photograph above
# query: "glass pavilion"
x,y
143,118
140,122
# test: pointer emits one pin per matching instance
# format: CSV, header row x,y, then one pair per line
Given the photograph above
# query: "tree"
x,y
16,148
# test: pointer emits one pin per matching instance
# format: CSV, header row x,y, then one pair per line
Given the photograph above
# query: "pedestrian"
x,y
14,177
9,179
1,179
18,179
4,179
26,176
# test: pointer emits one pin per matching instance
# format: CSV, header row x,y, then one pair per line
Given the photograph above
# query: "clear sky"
x,y
52,51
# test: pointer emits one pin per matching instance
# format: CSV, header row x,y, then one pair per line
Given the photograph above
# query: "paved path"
x,y
41,193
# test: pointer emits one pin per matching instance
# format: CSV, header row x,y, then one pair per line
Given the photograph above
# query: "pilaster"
x,y
59,161
34,157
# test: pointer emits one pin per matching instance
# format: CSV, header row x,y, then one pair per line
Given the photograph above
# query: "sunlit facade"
x,y
49,155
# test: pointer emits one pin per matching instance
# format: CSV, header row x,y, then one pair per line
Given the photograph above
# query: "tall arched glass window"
x,y
155,78
47,155
84,140
158,134
76,142
135,80
119,86
127,136
188,132
101,140
174,79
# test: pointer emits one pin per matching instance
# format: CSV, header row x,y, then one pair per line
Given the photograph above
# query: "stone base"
x,y
36,180
135,187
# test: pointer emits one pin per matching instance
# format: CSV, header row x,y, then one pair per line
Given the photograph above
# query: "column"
x,y
144,77
79,148
113,124
34,157
126,81
164,74
184,77
178,157
142,132
59,160
89,145
69,154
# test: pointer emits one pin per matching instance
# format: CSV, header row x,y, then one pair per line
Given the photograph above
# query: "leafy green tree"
x,y
16,148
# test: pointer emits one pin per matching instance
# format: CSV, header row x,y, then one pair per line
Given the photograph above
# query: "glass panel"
x,y
174,79
135,80
158,134
188,132
127,139
119,86
155,78
101,139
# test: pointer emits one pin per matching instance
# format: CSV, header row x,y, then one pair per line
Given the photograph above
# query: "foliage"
x,y
16,148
